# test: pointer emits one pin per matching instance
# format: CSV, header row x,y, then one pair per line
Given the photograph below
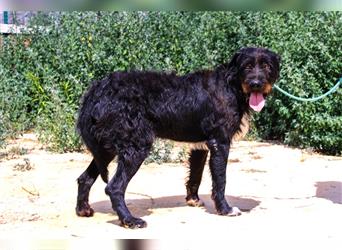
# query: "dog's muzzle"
x,y
255,85
256,95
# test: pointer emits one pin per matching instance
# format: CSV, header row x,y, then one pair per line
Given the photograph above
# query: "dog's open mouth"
x,y
256,101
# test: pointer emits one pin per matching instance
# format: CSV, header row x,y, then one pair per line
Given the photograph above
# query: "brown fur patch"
x,y
267,88
244,127
245,88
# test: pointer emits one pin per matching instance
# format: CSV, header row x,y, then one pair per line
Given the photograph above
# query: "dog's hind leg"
x,y
129,162
85,182
197,161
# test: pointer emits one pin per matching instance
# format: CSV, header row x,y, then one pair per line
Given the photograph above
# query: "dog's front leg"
x,y
218,164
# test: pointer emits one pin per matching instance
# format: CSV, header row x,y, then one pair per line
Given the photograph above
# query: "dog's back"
x,y
168,105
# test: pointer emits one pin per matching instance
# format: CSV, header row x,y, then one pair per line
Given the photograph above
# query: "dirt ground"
x,y
284,193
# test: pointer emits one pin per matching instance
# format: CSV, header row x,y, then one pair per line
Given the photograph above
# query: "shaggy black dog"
x,y
122,114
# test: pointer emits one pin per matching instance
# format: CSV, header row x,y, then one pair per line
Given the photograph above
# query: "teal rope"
x,y
313,99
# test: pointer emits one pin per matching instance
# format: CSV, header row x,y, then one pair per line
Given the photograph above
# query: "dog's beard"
x,y
256,101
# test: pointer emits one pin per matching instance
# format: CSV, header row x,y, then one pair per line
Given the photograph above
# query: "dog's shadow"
x,y
330,190
144,206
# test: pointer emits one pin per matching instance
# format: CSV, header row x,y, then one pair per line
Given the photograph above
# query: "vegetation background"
x,y
45,70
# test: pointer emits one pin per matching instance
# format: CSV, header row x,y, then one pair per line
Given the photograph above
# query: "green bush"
x,y
161,152
13,100
41,85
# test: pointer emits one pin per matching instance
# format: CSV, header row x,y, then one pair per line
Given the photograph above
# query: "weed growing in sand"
x,y
23,166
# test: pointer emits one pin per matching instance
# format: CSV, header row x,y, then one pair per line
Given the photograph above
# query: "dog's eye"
x,y
249,66
265,66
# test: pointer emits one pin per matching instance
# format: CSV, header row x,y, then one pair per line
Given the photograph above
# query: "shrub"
x,y
13,100
68,49
161,152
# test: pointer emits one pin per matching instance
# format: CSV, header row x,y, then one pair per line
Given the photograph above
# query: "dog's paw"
x,y
133,223
231,211
84,210
195,203
234,211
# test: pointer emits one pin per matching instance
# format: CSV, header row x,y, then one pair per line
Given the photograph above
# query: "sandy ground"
x,y
284,193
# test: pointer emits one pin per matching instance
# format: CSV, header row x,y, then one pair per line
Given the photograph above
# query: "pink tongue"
x,y
256,101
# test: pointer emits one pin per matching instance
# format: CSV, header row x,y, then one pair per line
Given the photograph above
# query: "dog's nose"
x,y
255,84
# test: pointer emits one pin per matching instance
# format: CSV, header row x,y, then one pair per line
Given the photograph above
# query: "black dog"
x,y
122,114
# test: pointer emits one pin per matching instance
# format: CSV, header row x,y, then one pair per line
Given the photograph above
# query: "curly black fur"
x,y
123,113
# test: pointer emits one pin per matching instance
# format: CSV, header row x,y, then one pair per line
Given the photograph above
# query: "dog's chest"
x,y
243,129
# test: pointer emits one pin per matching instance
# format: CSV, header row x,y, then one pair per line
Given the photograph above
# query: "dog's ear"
x,y
232,67
233,63
276,59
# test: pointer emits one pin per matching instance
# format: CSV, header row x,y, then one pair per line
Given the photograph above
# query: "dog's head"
x,y
256,69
